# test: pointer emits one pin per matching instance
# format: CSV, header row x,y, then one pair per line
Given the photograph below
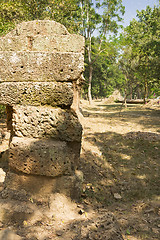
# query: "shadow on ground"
x,y
121,170
121,175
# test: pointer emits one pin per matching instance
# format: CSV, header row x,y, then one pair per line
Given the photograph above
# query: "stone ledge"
x,y
40,66
37,93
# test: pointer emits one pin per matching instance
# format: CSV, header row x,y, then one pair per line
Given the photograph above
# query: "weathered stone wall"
x,y
41,65
43,43
46,122
37,93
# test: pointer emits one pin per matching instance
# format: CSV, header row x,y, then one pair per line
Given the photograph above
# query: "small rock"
x,y
79,206
7,136
1,225
59,233
149,210
86,202
143,227
81,211
2,175
93,228
155,230
79,175
117,196
0,138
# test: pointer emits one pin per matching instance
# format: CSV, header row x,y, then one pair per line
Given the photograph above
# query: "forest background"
x,y
120,58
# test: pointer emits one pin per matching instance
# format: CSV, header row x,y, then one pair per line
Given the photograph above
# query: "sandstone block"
x,y
42,157
40,66
39,27
56,43
37,93
46,122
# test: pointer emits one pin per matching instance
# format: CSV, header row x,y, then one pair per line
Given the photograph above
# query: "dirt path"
x,y
120,160
121,163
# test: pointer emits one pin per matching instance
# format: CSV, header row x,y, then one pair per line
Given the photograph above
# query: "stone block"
x,y
40,66
42,157
38,27
46,122
56,43
37,93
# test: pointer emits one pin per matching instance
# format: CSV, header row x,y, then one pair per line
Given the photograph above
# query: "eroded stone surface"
x,y
46,122
56,43
41,157
38,27
40,66
37,93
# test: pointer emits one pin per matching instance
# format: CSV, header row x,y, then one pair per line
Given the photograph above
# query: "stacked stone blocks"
x,y
41,64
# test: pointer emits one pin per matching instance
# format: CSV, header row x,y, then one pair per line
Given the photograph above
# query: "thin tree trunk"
x,y
90,84
145,91
138,92
90,69
125,98
125,92
131,95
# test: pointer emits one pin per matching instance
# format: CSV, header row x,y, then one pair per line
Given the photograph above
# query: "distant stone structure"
x,y
41,65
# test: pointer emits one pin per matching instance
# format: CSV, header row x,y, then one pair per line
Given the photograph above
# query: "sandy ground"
x,y
120,161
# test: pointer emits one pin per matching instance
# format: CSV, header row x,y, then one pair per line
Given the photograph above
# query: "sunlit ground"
x,y
120,159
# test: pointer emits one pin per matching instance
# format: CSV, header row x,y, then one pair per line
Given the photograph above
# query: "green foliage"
x,y
67,12
12,12
2,110
80,17
106,73
129,62
143,37
105,17
113,10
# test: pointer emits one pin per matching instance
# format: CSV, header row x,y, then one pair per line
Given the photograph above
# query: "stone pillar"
x,y
40,65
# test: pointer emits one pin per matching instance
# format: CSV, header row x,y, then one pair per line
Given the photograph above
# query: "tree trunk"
x,y
90,84
125,92
125,98
131,95
145,91
138,92
90,69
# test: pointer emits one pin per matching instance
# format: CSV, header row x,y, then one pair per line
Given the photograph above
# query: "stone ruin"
x,y
41,65
41,68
